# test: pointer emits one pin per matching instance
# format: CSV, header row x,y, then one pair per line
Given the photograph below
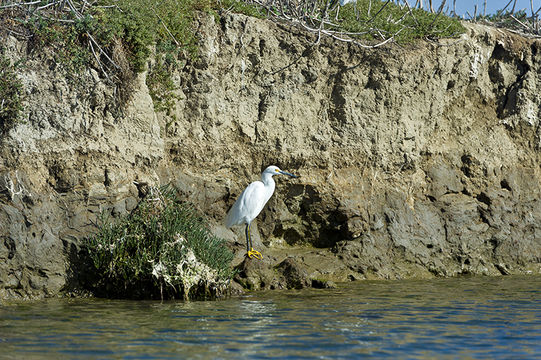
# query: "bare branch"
x,y
98,60
19,4
521,23
101,50
505,7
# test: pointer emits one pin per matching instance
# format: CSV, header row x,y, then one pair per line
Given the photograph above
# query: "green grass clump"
x,y
163,249
11,95
140,24
416,24
117,30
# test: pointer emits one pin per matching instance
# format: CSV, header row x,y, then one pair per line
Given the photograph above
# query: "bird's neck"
x,y
267,179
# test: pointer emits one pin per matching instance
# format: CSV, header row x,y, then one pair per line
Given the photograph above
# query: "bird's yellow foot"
x,y
254,253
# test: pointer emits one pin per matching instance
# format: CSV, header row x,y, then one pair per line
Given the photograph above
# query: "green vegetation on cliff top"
x,y
115,31
116,37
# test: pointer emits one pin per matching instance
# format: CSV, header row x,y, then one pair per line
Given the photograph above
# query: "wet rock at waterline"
x,y
415,161
267,274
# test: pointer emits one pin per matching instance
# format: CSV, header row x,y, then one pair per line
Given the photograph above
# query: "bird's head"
x,y
275,170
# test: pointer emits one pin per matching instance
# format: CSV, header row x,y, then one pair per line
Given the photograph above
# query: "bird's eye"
x,y
277,170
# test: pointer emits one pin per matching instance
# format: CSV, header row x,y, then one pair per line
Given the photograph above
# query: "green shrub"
x,y
128,26
66,39
140,24
11,94
416,25
160,83
163,249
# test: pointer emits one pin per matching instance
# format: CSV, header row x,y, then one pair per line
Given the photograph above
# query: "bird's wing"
x,y
253,200
248,203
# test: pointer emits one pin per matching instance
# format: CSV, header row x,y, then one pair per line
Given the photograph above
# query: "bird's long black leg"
x,y
251,252
248,241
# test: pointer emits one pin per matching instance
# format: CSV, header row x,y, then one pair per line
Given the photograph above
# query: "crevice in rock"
x,y
482,197
505,185
499,53
508,103
468,162
262,107
107,181
10,246
493,243
502,269
337,110
262,44
483,216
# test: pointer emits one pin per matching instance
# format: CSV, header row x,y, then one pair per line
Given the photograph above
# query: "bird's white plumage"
x,y
253,199
251,202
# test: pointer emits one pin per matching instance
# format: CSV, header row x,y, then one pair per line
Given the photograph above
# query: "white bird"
x,y
251,202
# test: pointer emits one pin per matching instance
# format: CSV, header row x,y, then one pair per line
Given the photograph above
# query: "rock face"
x,y
415,162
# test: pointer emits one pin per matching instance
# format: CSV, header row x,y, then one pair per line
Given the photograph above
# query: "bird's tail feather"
x,y
230,218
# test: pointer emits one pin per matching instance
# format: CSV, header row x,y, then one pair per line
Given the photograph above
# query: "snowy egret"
x,y
251,202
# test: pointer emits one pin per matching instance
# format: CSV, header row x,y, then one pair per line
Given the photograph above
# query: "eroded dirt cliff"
x,y
415,161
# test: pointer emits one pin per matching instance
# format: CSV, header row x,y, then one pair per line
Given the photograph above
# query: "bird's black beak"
x,y
288,174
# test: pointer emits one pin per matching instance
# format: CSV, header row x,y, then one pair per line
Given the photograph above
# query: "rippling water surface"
x,y
444,318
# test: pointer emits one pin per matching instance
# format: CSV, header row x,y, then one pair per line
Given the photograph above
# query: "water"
x,y
491,318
